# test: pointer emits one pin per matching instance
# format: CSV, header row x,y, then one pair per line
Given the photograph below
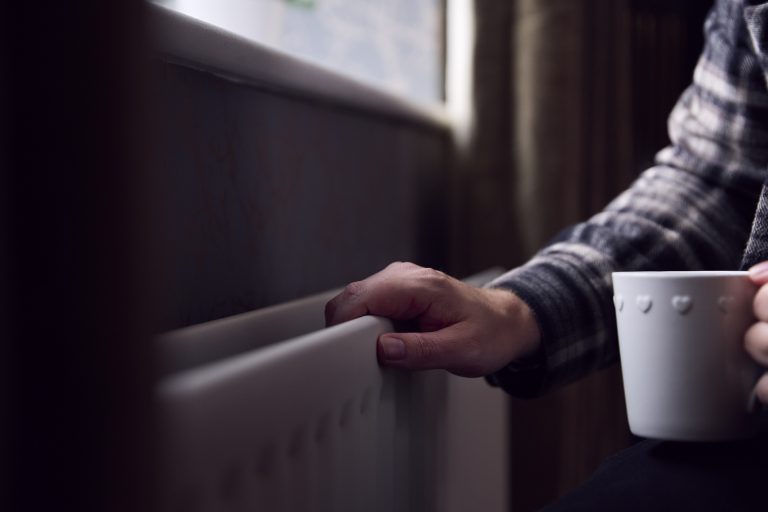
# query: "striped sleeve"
x,y
693,210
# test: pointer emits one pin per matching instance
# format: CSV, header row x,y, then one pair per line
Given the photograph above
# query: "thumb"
x,y
759,273
414,350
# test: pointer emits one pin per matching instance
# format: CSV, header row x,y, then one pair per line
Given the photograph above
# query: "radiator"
x,y
269,411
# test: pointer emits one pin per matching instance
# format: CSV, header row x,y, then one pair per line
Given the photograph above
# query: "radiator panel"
x,y
314,424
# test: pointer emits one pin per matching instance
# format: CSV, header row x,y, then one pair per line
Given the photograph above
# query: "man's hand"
x,y
756,339
466,330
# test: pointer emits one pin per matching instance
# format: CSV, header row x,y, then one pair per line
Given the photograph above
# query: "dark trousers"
x,y
661,475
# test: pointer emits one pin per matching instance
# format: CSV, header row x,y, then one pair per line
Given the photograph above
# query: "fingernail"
x,y
759,270
393,348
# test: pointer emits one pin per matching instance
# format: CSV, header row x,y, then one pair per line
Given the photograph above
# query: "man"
x,y
551,321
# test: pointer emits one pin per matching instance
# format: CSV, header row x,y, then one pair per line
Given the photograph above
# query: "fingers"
x,y
347,305
760,304
761,389
756,338
451,349
759,273
401,291
756,342
414,350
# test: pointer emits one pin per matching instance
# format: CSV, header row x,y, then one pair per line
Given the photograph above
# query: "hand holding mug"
x,y
756,338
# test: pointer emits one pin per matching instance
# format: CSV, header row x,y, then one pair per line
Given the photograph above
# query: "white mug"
x,y
686,374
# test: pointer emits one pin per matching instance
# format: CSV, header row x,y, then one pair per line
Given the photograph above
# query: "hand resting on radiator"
x,y
466,330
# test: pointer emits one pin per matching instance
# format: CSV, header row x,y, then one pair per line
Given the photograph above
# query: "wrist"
x,y
519,333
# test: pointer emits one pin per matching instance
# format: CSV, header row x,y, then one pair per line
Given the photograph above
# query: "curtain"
x,y
570,103
570,134
571,153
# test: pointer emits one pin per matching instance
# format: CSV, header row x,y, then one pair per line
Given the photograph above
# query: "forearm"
x,y
670,219
694,210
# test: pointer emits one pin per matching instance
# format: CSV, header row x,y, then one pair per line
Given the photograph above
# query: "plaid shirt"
x,y
703,206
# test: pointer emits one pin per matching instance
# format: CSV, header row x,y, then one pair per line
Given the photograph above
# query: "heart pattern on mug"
x,y
724,303
644,302
682,303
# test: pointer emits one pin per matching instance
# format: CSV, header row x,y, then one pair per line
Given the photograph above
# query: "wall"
x,y
266,197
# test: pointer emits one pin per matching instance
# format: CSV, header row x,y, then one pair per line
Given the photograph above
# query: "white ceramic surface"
x,y
686,374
